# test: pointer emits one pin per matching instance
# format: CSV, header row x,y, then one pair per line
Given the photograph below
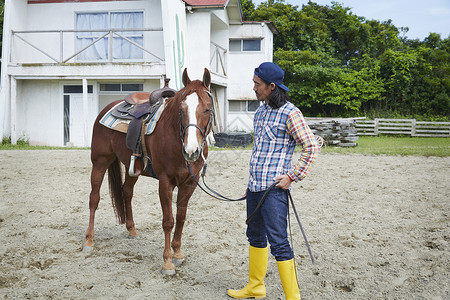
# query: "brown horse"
x,y
179,136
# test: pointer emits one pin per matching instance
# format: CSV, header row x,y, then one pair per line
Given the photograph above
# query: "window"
x,y
76,89
121,87
132,87
253,105
100,23
251,45
235,106
235,45
110,87
243,106
245,45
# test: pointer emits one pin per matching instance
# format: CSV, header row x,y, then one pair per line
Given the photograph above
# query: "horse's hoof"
x,y
177,261
87,249
168,272
134,237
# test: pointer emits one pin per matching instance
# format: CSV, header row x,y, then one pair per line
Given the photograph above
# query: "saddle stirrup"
x,y
131,168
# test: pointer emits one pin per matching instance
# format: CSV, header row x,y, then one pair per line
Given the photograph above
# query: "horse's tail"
x,y
116,190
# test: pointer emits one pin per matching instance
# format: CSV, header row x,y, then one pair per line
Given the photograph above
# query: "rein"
x,y
212,193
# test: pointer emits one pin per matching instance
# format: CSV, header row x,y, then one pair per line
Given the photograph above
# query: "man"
x,y
278,127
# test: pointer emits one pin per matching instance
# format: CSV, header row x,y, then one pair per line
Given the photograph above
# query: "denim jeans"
x,y
269,223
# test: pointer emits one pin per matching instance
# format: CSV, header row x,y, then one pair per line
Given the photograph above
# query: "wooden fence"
x,y
403,126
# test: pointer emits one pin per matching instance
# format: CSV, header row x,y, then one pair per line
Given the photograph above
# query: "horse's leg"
x,y
128,188
97,174
184,194
165,197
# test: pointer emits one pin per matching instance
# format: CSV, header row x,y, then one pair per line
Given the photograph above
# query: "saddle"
x,y
139,108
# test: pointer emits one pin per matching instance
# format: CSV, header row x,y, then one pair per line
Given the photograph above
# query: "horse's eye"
x,y
207,111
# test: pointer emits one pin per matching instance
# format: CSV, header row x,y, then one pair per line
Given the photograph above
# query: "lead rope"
x,y
260,202
216,195
300,225
303,233
223,198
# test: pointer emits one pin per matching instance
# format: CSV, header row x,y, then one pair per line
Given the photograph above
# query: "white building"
x,y
63,61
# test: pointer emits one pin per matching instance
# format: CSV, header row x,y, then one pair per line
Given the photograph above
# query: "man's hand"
x,y
284,181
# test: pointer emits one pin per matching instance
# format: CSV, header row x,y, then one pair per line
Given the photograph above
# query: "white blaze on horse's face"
x,y
192,146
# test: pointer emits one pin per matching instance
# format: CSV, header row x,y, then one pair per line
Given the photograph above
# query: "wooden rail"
x,y
58,39
403,126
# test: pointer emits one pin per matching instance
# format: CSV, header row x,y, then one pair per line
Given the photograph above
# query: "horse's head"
x,y
196,115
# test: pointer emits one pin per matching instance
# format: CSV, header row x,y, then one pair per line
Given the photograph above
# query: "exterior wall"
x,y
41,106
38,107
198,42
242,64
13,10
201,43
44,15
32,89
175,36
241,68
240,121
32,84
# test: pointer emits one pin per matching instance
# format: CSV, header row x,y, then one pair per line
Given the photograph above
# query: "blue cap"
x,y
271,72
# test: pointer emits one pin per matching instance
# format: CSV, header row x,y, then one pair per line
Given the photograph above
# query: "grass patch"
x,y
385,145
24,145
28,147
391,145
249,147
367,145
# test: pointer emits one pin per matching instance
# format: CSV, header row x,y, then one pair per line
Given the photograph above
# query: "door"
x,y
74,120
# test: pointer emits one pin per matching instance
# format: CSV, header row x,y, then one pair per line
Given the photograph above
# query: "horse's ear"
x,y
185,77
206,78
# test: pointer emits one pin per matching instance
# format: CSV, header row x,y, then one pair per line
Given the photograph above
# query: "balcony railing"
x,y
62,46
218,61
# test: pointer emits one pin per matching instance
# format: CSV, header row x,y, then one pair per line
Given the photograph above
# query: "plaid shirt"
x,y
277,131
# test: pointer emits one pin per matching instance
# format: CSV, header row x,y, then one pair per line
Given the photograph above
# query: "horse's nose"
x,y
192,147
191,156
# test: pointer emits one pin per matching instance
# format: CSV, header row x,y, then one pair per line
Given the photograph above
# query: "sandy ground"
x,y
379,227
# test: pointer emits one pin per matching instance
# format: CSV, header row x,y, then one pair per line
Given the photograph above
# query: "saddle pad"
x,y
118,124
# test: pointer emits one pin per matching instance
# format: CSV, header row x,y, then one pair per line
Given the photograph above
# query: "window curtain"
x,y
122,49
98,51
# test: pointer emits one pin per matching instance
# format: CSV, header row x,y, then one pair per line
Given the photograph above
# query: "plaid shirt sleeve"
x,y
300,131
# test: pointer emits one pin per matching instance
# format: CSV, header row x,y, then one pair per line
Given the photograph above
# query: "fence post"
x,y
375,130
413,127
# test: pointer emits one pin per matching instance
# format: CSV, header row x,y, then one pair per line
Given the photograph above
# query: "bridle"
x,y
203,133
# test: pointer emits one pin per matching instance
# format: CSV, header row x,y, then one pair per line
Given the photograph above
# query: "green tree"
x,y
430,88
338,63
285,17
329,91
247,8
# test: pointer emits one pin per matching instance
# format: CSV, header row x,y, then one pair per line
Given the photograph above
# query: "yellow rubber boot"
x,y
288,276
257,269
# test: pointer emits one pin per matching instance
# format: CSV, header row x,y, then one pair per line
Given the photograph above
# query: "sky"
x,y
420,16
